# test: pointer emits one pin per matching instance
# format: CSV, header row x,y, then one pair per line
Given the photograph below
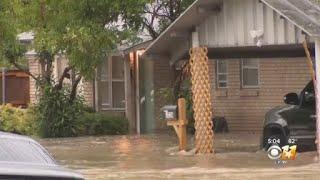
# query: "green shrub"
x,y
16,120
89,109
56,118
102,124
57,115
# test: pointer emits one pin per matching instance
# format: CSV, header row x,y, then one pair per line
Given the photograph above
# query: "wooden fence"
x,y
17,89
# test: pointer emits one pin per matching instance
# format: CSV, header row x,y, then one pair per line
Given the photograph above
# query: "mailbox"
x,y
170,112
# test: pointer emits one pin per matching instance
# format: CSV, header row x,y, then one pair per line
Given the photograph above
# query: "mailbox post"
x,y
179,124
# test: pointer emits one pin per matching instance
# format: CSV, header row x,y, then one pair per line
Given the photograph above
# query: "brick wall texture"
x,y
87,91
244,108
34,68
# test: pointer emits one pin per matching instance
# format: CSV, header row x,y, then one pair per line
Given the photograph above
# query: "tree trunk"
x,y
73,92
64,75
48,72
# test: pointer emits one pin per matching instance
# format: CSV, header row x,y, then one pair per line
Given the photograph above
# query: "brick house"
x,y
255,51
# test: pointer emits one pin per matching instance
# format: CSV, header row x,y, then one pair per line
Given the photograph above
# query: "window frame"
x,y
242,67
219,73
110,80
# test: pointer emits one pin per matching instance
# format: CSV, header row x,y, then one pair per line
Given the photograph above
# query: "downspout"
x,y
96,92
137,86
3,85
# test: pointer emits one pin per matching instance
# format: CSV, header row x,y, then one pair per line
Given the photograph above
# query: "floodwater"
x,y
156,157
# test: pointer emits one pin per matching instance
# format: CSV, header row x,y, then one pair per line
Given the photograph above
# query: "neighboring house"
x,y
115,89
118,85
255,51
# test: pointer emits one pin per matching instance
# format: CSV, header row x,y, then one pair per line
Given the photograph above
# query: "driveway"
x,y
156,157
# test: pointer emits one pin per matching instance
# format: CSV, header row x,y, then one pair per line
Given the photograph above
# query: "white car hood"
x,y
36,170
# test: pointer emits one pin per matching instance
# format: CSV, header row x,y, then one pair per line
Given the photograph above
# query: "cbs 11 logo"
x,y
285,153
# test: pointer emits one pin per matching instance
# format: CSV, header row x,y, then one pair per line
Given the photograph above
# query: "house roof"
x,y
302,13
187,21
27,37
139,46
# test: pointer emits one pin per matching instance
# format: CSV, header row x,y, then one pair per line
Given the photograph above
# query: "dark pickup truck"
x,y
293,123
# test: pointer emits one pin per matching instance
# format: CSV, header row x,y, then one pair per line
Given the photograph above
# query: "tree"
x,y
159,14
85,31
9,46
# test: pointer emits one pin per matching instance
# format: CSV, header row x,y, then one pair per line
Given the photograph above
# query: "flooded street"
x,y
155,157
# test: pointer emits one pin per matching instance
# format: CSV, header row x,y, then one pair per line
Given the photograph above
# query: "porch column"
x,y
201,96
130,91
317,90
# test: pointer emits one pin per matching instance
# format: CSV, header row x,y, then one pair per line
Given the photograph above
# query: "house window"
x,y
250,73
111,84
222,74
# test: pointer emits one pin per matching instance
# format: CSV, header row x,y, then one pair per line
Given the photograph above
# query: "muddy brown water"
x,y
155,157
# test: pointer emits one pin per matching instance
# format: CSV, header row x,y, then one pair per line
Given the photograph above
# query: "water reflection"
x,y
123,145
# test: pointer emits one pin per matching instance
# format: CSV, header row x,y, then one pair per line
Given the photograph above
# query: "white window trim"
x,y
250,67
218,73
110,81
